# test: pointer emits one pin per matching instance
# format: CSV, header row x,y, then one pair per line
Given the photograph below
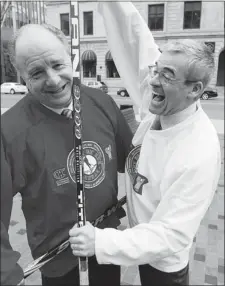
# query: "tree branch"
x,y
5,5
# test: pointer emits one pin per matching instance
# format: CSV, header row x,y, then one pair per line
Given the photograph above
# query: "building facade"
x,y
18,14
168,20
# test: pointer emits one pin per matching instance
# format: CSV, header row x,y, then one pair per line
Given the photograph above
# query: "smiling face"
x,y
170,91
45,66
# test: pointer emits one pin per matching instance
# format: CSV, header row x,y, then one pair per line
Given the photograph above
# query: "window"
x,y
89,61
111,70
88,23
64,22
192,15
156,17
89,68
211,45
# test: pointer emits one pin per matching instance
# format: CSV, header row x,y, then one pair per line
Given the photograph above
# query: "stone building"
x,y
168,20
19,13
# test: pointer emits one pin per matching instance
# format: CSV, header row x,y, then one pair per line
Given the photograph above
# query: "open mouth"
x,y
157,97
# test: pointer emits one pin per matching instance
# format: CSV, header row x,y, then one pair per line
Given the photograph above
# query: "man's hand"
x,y
82,240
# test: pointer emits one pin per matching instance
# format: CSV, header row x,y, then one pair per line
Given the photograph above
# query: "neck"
x,y
168,121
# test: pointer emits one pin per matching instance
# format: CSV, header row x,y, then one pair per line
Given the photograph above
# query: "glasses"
x,y
165,77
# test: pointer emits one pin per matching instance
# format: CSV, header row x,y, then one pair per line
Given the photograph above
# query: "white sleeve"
x,y
131,44
173,225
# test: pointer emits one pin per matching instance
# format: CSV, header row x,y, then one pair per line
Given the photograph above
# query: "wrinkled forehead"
x,y
176,61
42,44
32,39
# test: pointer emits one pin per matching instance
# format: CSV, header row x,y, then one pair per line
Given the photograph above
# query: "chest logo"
x,y
139,182
94,164
108,151
137,179
61,177
132,162
59,174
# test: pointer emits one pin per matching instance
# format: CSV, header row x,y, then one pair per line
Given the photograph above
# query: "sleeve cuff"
x,y
100,239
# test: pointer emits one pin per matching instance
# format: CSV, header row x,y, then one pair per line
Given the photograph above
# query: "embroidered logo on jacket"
x,y
132,162
108,151
137,179
139,182
94,164
61,177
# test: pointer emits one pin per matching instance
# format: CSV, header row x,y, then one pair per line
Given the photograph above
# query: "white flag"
x,y
132,47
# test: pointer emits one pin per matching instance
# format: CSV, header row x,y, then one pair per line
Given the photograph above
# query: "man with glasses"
x,y
173,169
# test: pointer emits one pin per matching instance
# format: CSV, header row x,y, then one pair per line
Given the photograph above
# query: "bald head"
x,y
31,40
41,55
33,36
32,31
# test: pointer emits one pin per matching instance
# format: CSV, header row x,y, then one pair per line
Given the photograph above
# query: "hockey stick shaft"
x,y
77,131
41,261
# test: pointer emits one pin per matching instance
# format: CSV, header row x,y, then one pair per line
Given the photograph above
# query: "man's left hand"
x,y
82,240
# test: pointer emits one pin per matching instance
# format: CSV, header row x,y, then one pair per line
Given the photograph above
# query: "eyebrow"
x,y
34,69
56,61
53,62
169,68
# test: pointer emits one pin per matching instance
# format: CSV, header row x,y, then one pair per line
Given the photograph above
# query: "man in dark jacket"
x,y
10,269
38,147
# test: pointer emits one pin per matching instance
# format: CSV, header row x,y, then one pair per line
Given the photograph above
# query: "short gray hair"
x,y
201,59
55,31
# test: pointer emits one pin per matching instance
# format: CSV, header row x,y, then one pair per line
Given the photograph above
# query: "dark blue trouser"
x,y
152,277
99,275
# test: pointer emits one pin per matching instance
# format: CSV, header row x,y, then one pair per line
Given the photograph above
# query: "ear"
x,y
197,90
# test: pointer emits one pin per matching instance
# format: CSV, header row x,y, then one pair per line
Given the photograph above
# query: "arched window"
x,y
111,70
89,61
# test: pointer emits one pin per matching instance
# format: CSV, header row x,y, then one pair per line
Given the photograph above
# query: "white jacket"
x,y
169,187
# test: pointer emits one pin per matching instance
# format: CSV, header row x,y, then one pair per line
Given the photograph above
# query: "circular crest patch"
x,y
132,162
94,164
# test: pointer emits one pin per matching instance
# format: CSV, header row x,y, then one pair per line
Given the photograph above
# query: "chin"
x,y
59,103
63,103
156,111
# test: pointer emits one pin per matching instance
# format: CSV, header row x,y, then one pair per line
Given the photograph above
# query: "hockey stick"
x,y
42,260
77,132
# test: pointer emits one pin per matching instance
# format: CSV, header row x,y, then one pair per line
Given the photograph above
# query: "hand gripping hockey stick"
x,y
48,256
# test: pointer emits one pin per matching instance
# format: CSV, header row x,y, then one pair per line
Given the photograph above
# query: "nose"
x,y
154,80
52,78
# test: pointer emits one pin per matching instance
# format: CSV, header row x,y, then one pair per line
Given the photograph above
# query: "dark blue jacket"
x,y
39,151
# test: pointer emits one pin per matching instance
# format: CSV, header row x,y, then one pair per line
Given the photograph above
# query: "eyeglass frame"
x,y
168,80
